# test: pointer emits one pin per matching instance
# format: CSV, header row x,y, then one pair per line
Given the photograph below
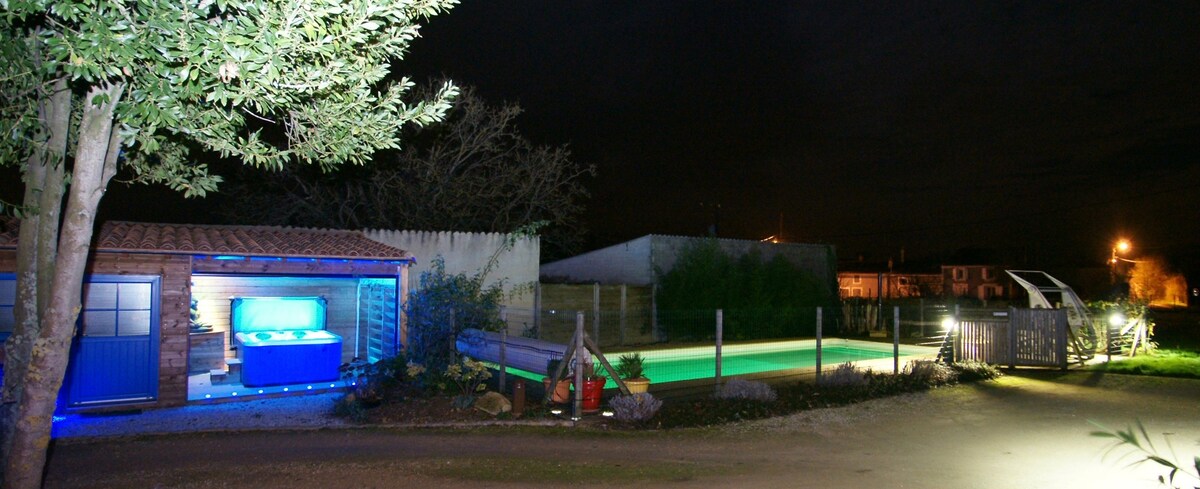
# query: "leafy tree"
x,y
761,298
1152,281
90,86
475,172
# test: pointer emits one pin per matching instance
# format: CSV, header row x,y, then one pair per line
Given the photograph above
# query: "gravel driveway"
x,y
1022,431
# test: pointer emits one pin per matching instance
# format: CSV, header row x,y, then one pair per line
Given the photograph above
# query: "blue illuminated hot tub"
x,y
282,340
289,357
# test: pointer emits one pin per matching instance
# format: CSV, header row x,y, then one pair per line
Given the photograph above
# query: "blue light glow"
x,y
254,314
56,419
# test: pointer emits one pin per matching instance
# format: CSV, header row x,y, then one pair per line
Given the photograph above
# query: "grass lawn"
x,y
1163,362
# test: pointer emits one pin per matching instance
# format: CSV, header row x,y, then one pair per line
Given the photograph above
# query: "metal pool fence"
x,y
702,346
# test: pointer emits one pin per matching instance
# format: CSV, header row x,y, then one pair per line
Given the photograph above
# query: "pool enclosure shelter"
x,y
158,299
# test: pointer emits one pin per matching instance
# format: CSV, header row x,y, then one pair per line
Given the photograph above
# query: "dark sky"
x,y
1038,128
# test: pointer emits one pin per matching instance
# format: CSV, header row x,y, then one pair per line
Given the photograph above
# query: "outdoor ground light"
x,y
1116,319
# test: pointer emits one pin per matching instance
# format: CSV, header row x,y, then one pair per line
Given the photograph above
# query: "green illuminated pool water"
x,y
691,364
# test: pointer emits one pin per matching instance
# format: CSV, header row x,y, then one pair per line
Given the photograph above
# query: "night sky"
x,y
1040,130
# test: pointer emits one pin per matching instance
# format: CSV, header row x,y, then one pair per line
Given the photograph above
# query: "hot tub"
x,y
282,340
289,357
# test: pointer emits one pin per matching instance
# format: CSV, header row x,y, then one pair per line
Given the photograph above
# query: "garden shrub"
x,y
929,373
746,389
441,308
635,408
844,375
975,370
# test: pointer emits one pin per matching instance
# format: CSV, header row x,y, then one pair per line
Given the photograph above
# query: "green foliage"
x,y
1137,322
760,298
629,366
970,371
593,372
441,308
216,75
1139,445
469,376
1161,362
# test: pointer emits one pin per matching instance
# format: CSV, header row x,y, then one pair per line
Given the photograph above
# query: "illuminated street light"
x,y
1120,247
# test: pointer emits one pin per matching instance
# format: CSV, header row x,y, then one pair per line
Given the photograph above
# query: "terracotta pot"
x,y
593,391
562,392
638,385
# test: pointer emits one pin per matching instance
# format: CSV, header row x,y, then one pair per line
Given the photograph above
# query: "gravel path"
x,y
1024,431
297,412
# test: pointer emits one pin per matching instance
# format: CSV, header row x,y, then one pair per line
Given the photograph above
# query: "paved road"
x,y
1025,431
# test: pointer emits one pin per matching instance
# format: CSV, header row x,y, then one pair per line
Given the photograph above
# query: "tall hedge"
x,y
761,298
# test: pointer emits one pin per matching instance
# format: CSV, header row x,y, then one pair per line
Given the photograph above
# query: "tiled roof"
x,y
269,241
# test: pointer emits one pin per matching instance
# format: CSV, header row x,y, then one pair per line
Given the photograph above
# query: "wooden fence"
x,y
1018,338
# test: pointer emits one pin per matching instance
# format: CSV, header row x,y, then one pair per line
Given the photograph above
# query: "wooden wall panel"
x,y
174,309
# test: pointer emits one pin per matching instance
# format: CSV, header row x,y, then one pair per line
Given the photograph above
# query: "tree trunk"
x,y
95,163
36,251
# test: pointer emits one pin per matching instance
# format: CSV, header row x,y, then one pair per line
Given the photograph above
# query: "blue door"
x,y
114,359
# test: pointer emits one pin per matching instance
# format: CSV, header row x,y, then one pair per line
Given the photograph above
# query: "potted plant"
x,y
593,387
629,367
562,390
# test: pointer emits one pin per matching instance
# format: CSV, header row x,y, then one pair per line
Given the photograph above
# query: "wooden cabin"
x,y
158,300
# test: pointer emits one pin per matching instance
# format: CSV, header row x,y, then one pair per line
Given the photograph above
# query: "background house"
x,y
865,283
981,282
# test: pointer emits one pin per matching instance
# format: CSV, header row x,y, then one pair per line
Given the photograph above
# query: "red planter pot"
x,y
593,391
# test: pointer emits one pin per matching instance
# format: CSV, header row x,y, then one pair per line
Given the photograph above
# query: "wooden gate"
x,y
1020,337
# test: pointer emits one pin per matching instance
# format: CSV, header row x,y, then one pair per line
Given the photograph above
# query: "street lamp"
x,y
1121,246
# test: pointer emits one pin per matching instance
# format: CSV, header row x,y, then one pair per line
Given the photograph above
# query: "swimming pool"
x,y
681,364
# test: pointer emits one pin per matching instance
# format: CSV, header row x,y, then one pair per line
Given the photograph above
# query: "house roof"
x,y
202,239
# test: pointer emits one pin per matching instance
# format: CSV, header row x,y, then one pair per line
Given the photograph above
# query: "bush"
x,y
974,370
636,408
844,375
929,373
746,389
351,407
441,308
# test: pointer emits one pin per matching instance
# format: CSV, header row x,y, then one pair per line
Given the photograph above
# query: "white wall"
x,y
469,253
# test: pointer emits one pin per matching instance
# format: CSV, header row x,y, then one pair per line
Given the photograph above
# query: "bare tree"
x,y
475,172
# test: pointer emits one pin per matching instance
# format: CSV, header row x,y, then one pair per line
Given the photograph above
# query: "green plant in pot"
x,y
593,387
562,390
629,367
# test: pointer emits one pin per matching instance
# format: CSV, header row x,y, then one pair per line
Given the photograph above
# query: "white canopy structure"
x,y
1050,293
